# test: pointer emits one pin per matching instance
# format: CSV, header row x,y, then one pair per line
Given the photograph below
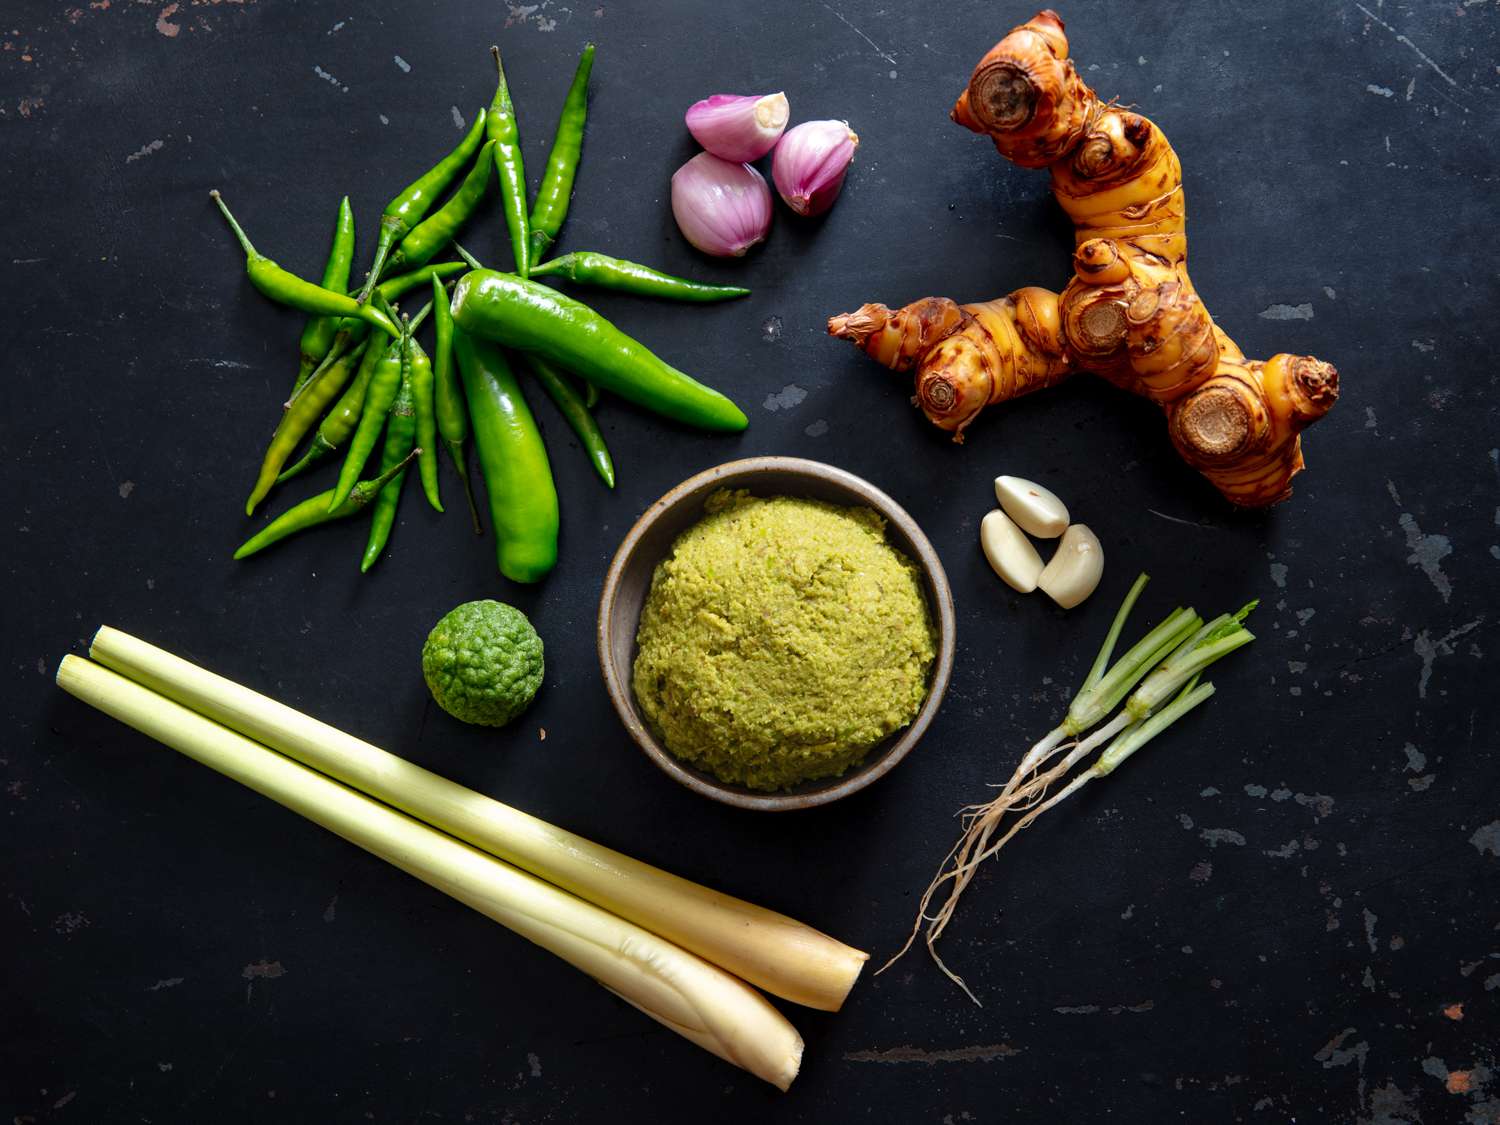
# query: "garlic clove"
x,y
721,207
810,162
1036,509
738,127
1073,572
1009,552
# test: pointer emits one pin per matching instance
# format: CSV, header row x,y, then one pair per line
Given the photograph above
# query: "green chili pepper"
x,y
315,510
413,202
556,189
502,128
527,315
305,410
426,420
351,331
385,383
341,420
400,432
570,405
393,288
317,337
289,289
433,233
513,460
588,268
448,396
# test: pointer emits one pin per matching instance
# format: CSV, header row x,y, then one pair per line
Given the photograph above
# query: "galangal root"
x,y
1130,313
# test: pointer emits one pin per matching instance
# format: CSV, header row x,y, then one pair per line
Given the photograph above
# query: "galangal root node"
x,y
1130,313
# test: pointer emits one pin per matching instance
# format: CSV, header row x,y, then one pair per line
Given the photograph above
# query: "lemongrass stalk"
x,y
777,953
685,993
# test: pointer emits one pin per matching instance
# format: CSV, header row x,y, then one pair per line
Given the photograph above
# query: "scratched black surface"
x,y
1283,912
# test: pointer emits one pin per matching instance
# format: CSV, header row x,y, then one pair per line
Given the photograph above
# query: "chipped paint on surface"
x,y
1427,551
146,150
164,24
1486,840
789,397
1287,312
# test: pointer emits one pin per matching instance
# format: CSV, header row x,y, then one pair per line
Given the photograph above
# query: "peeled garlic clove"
x,y
1033,507
810,162
721,207
1010,553
738,127
1073,573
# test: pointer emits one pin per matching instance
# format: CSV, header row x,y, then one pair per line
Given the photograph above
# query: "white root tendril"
x,y
1024,795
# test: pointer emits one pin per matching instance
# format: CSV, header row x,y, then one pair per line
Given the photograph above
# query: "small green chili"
x,y
400,432
413,202
571,406
306,408
433,233
502,128
448,396
317,337
315,510
589,268
287,288
556,190
339,423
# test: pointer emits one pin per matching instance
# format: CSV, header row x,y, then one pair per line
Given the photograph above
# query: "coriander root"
x,y
1130,313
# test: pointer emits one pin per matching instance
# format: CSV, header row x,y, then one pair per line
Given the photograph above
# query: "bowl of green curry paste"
x,y
776,633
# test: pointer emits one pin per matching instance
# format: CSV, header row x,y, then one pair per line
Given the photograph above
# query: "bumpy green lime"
x,y
483,663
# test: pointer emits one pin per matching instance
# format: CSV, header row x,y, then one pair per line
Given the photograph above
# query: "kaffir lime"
x,y
483,663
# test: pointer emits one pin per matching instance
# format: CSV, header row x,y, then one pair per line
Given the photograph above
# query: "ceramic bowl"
x,y
629,580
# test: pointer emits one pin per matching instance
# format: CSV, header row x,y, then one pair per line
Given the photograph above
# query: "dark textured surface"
x,y
1283,912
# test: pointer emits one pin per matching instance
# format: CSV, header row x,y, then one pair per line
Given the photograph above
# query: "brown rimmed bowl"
x,y
629,581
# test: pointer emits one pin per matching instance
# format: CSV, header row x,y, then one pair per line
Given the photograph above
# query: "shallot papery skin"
x,y
738,127
810,163
721,207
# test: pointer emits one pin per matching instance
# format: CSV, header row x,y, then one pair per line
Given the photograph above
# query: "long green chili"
x,y
452,416
600,270
299,418
400,433
556,190
316,510
530,316
513,460
413,202
287,288
570,405
339,423
317,337
433,233
385,383
426,419
502,128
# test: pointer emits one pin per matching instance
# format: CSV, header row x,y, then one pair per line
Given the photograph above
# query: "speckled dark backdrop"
x,y
1286,911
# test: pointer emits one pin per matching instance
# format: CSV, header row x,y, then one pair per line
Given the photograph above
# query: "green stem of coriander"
x,y
1214,641
1101,662
1095,702
1141,733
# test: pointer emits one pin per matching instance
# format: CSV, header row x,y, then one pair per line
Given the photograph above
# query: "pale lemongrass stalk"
x,y
697,1000
770,950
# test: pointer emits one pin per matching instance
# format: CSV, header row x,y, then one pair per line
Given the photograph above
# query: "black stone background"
x,y
1265,917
